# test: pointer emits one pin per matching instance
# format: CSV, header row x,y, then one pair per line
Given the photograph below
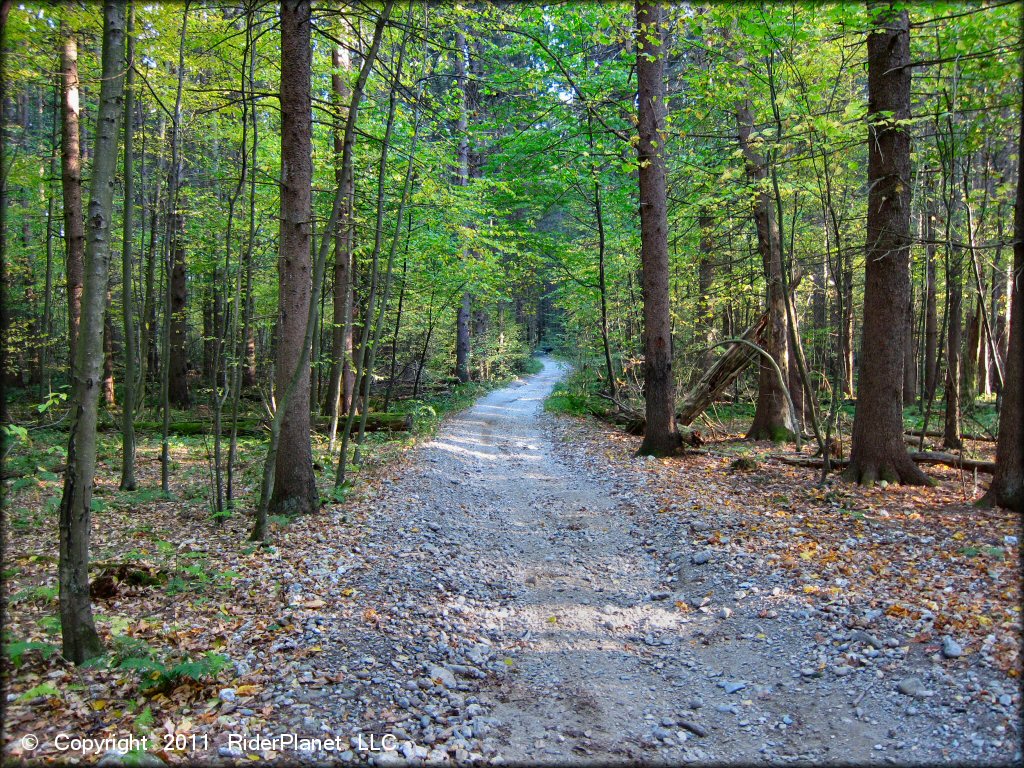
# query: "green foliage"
x,y
578,396
15,651
38,594
160,676
44,690
531,365
145,718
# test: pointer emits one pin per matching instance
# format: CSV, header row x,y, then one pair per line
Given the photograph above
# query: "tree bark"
x,y
997,322
931,316
846,340
294,483
78,631
109,396
462,337
174,223
338,395
149,356
178,357
71,183
127,299
909,351
661,437
705,320
969,381
772,418
343,388
1007,488
878,452
951,438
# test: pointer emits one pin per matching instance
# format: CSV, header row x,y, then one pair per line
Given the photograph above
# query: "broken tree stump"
x,y
722,373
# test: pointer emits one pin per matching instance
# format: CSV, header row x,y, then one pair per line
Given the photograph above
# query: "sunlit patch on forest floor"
x,y
926,561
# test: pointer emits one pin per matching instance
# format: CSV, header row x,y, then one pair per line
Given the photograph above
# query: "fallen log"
x,y
379,422
250,427
936,433
721,374
920,457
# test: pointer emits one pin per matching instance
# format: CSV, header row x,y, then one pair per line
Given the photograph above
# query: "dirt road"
x,y
526,607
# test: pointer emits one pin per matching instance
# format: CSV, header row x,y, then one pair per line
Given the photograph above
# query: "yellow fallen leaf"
x,y
248,690
99,705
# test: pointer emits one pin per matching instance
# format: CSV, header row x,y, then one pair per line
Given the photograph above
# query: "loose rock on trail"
x,y
503,597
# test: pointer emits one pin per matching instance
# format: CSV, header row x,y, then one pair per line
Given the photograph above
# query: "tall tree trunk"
x,y
1004,282
149,355
338,396
175,222
392,372
997,323
71,183
602,281
109,396
462,337
954,311
370,351
178,353
249,372
819,307
45,377
846,339
80,640
127,299
1007,488
909,351
294,483
931,316
969,378
342,379
660,436
772,419
368,334
210,326
244,301
705,319
878,451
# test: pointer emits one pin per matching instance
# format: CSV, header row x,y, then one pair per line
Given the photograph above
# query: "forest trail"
x,y
513,603
604,665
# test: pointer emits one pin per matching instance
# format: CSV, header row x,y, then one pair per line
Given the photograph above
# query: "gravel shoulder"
x,y
507,594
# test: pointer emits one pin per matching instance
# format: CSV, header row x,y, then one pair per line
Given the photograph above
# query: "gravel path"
x,y
515,603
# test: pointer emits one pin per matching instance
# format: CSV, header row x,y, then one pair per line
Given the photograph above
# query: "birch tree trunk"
x,y
71,183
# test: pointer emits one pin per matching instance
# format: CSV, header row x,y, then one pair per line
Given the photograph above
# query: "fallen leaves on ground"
x,y
925,558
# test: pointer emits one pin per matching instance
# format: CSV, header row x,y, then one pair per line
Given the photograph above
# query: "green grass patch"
x,y
579,395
